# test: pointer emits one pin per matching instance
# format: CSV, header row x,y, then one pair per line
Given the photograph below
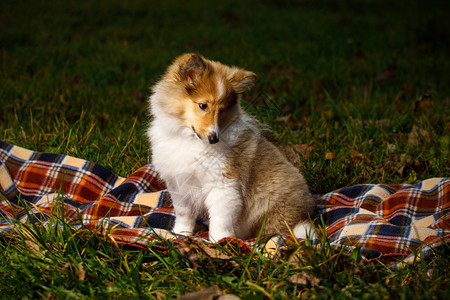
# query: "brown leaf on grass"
x,y
79,271
424,105
194,260
304,150
195,252
33,247
290,154
329,155
187,249
401,170
356,157
36,250
216,253
212,252
418,136
304,278
424,102
399,163
405,158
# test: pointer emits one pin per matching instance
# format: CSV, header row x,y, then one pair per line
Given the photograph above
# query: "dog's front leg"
x,y
224,207
184,218
181,191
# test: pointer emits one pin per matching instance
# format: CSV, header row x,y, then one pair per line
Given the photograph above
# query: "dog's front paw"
x,y
181,228
304,230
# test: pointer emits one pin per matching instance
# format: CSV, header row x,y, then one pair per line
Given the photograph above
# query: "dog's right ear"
x,y
191,69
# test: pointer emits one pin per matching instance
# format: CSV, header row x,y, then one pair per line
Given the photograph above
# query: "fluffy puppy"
x,y
217,165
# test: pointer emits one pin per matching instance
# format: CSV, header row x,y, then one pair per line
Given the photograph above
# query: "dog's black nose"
x,y
213,138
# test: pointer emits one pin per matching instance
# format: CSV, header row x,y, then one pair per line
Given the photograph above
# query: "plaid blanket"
x,y
386,221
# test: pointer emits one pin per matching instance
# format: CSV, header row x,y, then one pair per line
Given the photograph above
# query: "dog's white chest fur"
x,y
177,156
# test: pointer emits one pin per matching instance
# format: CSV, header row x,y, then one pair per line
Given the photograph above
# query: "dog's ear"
x,y
191,70
242,80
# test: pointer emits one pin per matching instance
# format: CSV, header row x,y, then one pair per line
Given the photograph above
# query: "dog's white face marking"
x,y
214,129
220,87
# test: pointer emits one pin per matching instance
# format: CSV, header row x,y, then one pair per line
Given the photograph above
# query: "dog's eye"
x,y
203,106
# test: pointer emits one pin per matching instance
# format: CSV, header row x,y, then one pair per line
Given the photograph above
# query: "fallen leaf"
x,y
187,249
405,158
424,102
79,271
36,250
401,170
418,136
304,149
194,260
214,252
329,155
304,278
290,154
356,157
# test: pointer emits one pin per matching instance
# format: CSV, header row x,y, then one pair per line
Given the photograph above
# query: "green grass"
x,y
353,78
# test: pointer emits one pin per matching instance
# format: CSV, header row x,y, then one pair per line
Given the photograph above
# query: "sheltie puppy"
x,y
217,165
